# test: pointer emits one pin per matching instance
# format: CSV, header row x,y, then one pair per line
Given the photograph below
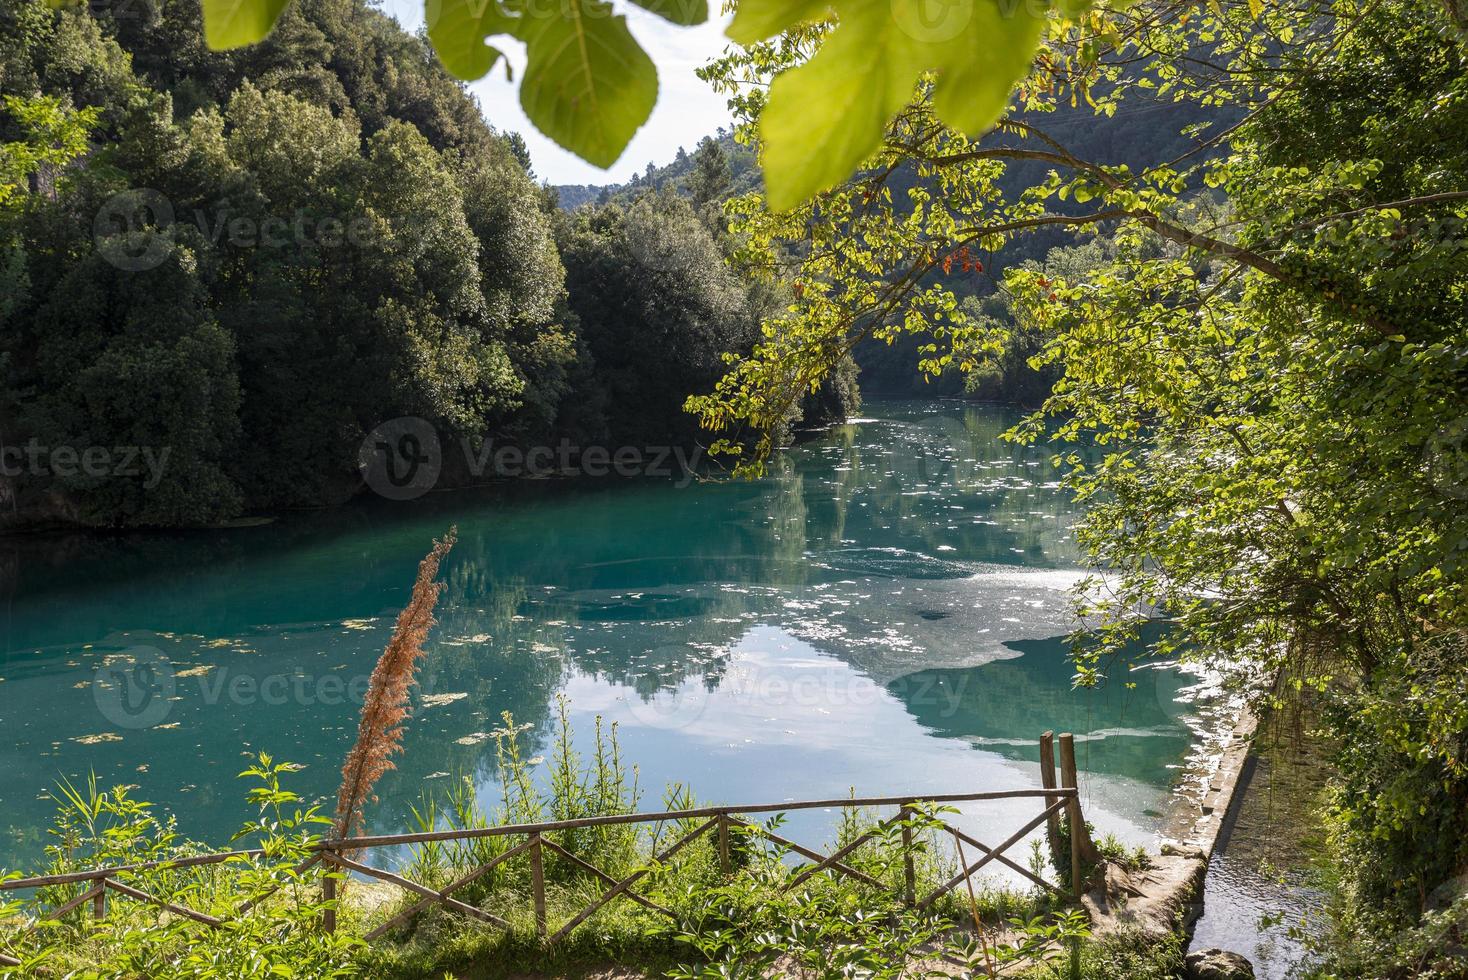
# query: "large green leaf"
x,y
755,20
236,23
458,30
588,85
685,12
983,63
826,116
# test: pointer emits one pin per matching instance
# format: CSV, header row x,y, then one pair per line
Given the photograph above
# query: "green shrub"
x,y
270,905
1131,955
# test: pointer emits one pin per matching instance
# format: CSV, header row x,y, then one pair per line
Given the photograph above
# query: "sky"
x,y
687,109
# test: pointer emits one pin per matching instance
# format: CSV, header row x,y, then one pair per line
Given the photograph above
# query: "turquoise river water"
x,y
884,613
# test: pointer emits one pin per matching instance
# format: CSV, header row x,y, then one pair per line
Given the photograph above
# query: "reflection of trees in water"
x,y
1004,706
926,477
657,623
498,660
828,500
506,637
9,573
786,520
655,594
359,560
667,666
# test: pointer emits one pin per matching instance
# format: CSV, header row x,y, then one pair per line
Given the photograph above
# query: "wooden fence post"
x,y
909,873
726,863
328,894
99,904
1047,780
1089,851
537,883
1081,848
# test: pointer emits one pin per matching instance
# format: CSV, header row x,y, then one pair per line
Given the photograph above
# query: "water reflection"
x,y
912,557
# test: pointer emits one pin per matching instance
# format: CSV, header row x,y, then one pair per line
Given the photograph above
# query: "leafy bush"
x,y
739,922
601,786
1435,948
269,902
655,302
1131,955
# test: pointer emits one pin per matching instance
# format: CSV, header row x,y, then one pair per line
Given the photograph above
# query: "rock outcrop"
x,y
1218,964
1161,900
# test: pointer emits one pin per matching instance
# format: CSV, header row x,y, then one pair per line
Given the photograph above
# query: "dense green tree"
x,y
834,400
520,151
62,54
522,280
339,54
357,243
132,365
711,177
50,137
1014,375
655,301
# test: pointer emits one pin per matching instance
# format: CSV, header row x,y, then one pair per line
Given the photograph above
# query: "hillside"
x,y
1144,132
676,174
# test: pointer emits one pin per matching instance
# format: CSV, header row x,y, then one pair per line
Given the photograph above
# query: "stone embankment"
x,y
1166,897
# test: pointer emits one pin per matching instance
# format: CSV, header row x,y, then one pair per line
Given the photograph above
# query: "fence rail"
x,y
346,854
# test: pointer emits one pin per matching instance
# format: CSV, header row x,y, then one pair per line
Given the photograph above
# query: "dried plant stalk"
x,y
385,709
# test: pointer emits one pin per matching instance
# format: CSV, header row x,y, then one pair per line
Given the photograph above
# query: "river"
x,y
885,612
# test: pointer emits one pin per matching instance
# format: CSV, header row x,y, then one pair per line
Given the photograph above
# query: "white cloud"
x,y
687,109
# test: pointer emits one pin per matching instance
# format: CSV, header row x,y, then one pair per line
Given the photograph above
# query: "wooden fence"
x,y
347,855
